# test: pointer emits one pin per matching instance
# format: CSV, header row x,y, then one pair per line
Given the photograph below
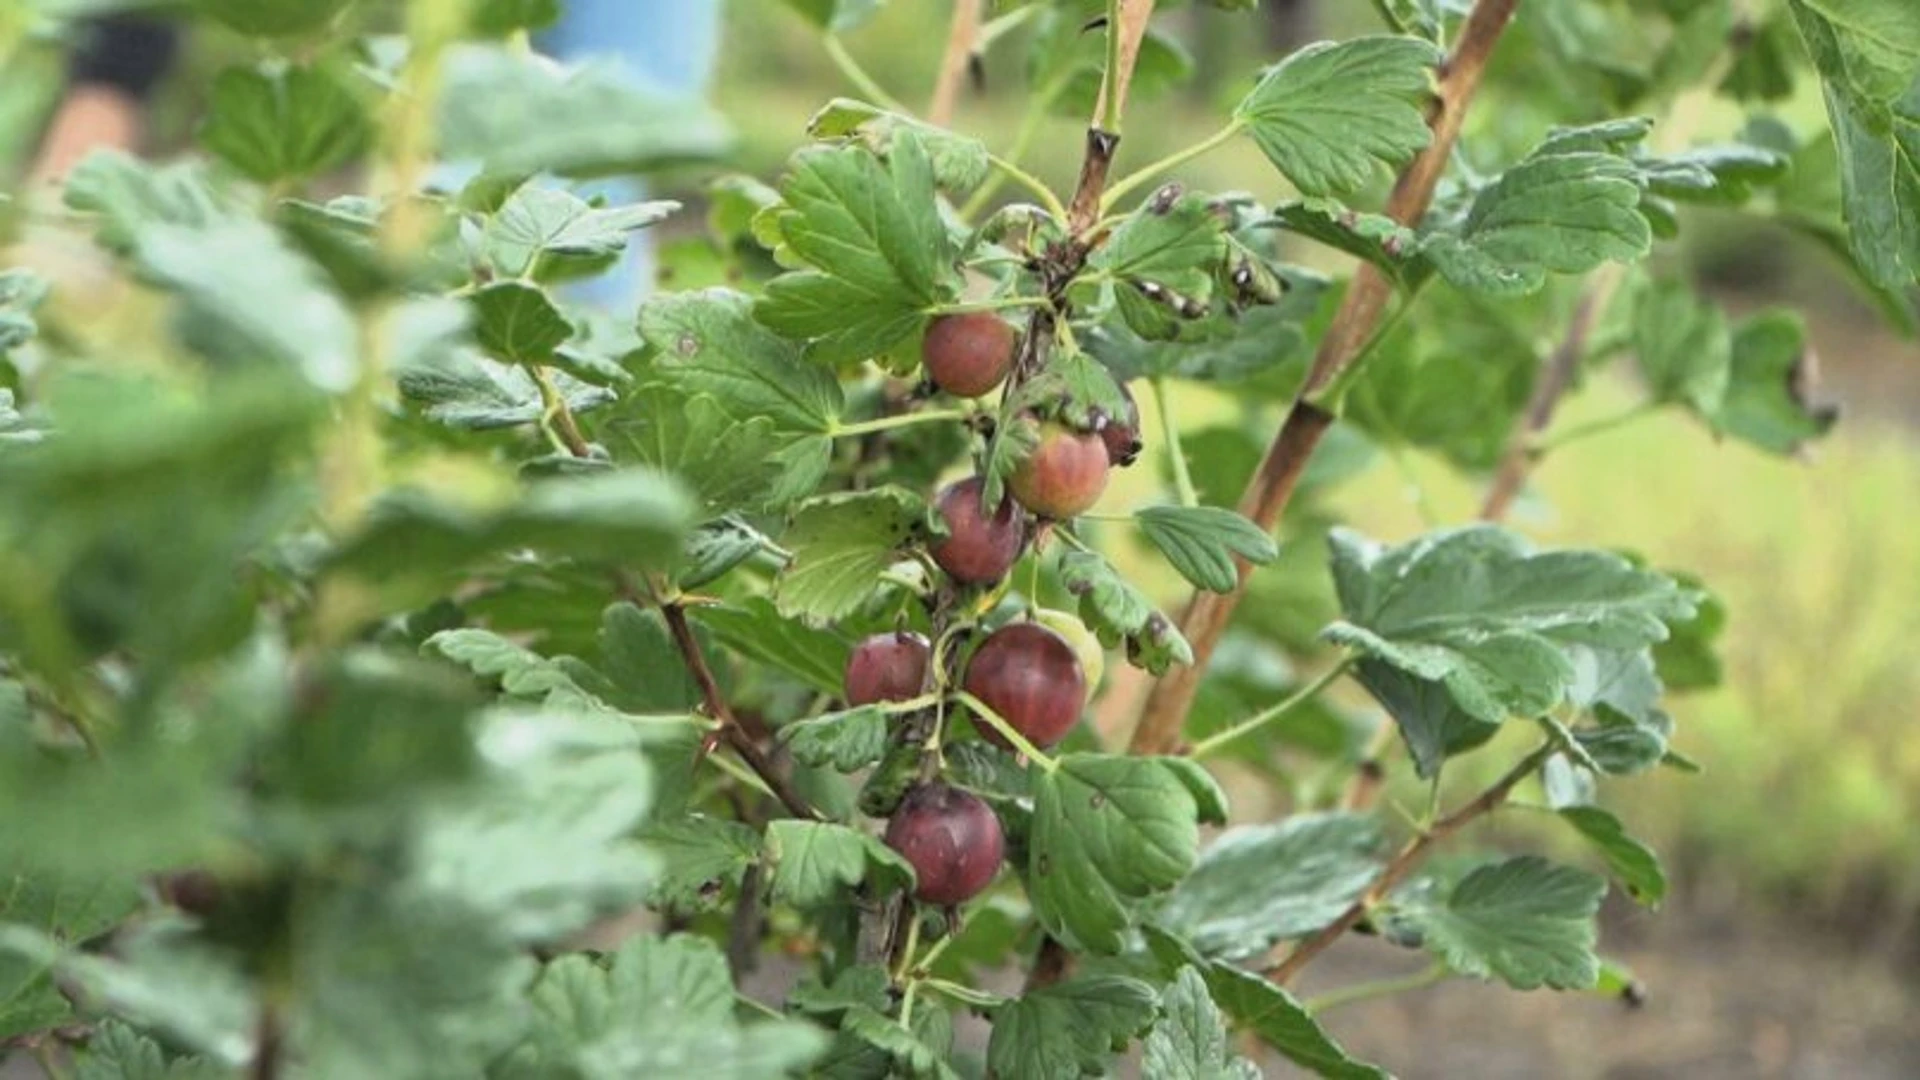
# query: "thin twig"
x,y
730,729
1354,326
555,411
1555,378
268,1037
1127,28
1403,864
836,51
961,35
1379,988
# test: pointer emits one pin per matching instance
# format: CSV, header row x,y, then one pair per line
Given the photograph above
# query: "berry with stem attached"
x,y
979,547
1032,677
1064,476
951,839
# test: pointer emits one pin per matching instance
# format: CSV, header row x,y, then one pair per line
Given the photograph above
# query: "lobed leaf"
x,y
1334,115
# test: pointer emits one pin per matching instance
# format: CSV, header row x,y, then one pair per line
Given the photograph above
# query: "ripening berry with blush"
x,y
887,667
1064,476
1086,646
1032,677
969,354
952,840
979,547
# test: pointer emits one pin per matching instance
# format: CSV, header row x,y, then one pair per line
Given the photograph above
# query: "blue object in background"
x,y
665,46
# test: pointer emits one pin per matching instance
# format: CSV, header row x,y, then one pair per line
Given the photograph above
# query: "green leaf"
x,y
841,544
1116,612
1628,732
1724,174
718,546
757,631
519,114
1280,1021
1083,391
959,163
662,1006
860,986
538,221
520,672
543,845
701,857
1623,745
1560,214
910,1054
1867,52
1334,115
1069,1029
132,196
1261,884
1201,542
453,384
1687,660
641,662
1375,238
284,123
633,515
1630,861
1524,921
879,254
729,463
1433,725
815,863
707,341
516,322
1771,381
1682,346
21,291
1190,1040
1107,831
117,1052
499,18
849,740
68,911
1165,248
1479,611
252,300
156,978
272,18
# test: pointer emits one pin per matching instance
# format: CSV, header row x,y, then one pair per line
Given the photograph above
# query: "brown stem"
x,y
267,1049
1555,378
743,930
1103,131
1132,28
730,729
1354,324
1207,614
961,35
1084,211
1053,962
1403,864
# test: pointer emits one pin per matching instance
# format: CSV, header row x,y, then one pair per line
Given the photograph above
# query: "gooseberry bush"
x,y
411,671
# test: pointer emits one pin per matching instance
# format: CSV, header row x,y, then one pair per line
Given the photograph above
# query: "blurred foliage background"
x,y
1818,561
